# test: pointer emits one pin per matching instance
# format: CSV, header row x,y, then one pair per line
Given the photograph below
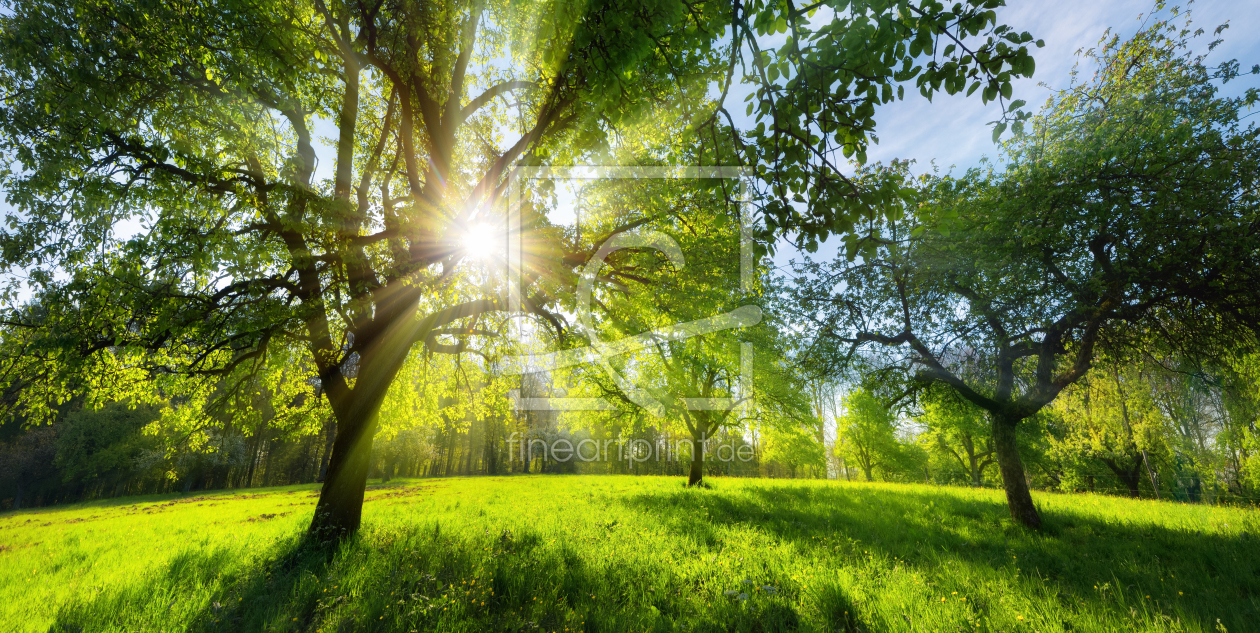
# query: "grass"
x,y
588,553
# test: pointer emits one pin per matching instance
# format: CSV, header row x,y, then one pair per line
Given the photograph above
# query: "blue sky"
x,y
954,131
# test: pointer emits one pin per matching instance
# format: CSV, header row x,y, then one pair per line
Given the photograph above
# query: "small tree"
x,y
795,447
867,433
957,428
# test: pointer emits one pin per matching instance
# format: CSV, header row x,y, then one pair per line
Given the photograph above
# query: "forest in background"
x,y
1148,429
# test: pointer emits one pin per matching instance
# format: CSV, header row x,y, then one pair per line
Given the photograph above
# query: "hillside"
x,y
588,553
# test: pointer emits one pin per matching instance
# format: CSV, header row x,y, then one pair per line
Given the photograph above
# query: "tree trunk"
x,y
1018,498
340,506
330,433
1151,473
271,453
696,477
254,453
1130,478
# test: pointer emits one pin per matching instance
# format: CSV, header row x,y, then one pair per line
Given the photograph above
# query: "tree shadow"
x,y
418,578
1089,562
182,594
474,575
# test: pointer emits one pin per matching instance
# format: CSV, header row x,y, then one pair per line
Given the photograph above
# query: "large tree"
x,y
198,123
1129,211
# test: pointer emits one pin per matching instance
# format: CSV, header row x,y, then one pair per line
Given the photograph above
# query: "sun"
x,y
480,241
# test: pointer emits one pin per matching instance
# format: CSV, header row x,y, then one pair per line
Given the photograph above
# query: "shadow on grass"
x,y
1092,564
207,590
469,576
422,578
147,502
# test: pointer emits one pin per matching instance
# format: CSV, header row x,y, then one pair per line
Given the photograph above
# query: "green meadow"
x,y
618,553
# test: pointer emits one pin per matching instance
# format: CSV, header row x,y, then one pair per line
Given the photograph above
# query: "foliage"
x,y
94,444
866,434
1112,418
821,70
678,382
797,448
957,429
195,125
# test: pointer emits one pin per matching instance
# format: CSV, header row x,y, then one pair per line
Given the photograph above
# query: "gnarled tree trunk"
x,y
1018,497
1131,477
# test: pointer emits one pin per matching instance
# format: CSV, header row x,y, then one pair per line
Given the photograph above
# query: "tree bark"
x,y
340,507
330,434
696,476
1018,498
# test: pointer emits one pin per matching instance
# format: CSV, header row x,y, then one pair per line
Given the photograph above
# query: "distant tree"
x,y
104,448
795,447
866,433
1241,401
1201,434
958,429
695,382
1131,209
27,462
1109,416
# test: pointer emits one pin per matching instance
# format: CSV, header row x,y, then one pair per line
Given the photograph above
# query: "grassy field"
x,y
584,553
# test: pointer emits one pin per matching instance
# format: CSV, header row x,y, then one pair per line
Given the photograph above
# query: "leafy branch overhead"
x,y
820,72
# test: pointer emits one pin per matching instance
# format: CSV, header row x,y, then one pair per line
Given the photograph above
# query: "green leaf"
x,y
997,131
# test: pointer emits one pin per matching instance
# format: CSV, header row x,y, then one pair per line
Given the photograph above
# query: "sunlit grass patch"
x,y
632,554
